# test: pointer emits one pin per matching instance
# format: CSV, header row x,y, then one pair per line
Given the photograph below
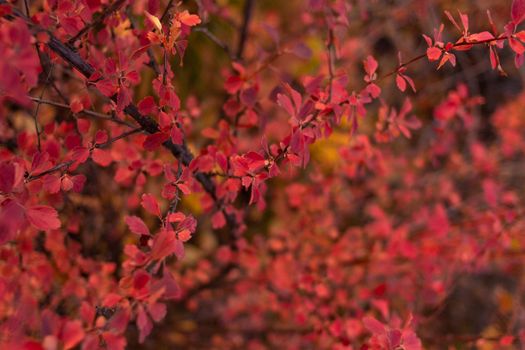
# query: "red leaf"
x,y
67,184
433,53
76,105
370,65
176,217
7,176
481,36
285,102
147,105
102,157
516,46
190,20
164,244
52,183
133,77
157,311
517,11
172,290
111,299
184,235
43,217
101,136
176,135
80,155
140,279
373,325
218,220
72,334
78,182
184,188
233,84
136,225
40,162
401,83
107,87
123,99
10,176
11,219
144,324
154,141
150,204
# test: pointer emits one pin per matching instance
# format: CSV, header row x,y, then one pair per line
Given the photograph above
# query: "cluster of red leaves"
x,y
349,253
345,277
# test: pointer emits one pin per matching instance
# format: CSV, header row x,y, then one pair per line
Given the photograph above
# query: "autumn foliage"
x,y
311,174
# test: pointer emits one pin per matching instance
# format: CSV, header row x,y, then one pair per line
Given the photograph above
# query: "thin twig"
x,y
330,47
119,137
26,7
49,171
105,14
216,40
423,55
243,35
84,111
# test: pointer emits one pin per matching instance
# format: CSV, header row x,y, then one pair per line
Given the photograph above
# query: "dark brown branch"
x,y
166,11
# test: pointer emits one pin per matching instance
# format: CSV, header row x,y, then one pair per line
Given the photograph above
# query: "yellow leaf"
x,y
154,20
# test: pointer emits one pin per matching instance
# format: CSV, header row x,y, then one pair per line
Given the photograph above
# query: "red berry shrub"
x,y
303,175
